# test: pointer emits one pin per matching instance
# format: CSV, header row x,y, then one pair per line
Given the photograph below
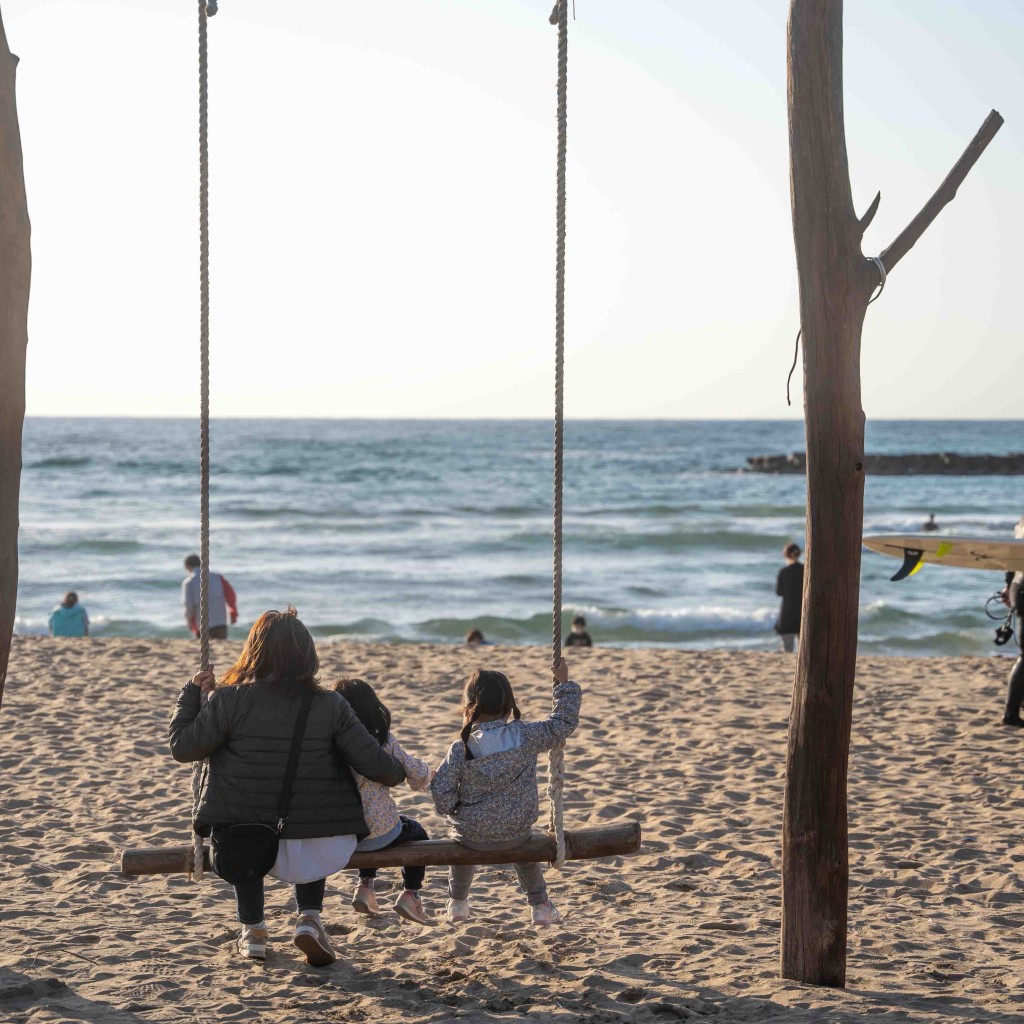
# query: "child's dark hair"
x,y
486,693
367,706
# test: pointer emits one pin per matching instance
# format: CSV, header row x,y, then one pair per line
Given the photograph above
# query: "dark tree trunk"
x,y
836,282
15,269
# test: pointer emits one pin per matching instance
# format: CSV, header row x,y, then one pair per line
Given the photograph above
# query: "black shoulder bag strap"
x,y
293,759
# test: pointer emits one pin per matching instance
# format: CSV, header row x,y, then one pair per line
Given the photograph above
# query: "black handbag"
x,y
246,853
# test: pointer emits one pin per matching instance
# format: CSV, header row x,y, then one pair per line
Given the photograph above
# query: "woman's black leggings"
x,y
249,898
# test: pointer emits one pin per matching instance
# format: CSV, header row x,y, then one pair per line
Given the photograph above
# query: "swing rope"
x,y
205,11
556,756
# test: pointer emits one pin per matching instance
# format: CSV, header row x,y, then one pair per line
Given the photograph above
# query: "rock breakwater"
x,y
911,464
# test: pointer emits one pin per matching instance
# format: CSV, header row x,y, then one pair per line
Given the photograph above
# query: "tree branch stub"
x,y
944,195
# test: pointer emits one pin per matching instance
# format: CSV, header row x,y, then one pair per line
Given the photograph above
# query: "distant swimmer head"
x,y
474,636
579,623
192,562
792,552
278,649
70,599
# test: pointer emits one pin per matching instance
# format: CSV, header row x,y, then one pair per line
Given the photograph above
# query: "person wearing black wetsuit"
x,y
789,585
579,637
1013,596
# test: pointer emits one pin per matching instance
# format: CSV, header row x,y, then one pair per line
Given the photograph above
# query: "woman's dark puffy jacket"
x,y
246,731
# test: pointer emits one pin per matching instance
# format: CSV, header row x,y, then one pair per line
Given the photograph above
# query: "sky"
x,y
383,194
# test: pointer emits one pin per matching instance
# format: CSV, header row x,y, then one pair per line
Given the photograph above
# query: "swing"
x,y
558,845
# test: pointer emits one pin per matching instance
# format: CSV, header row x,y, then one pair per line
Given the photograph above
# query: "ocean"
x,y
419,530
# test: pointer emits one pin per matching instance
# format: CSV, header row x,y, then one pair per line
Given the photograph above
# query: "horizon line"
x,y
516,419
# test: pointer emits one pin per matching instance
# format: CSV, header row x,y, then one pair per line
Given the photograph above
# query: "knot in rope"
x,y
877,260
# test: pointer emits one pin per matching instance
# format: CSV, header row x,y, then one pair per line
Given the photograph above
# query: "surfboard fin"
x,y
912,561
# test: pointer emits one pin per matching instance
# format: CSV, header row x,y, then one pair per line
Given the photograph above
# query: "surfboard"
x,y
917,549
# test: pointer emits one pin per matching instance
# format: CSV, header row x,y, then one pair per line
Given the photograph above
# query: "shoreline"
x,y
1010,650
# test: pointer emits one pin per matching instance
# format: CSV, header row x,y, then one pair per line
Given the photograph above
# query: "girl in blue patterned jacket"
x,y
487,785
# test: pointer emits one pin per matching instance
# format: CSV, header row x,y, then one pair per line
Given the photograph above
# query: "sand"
x,y
691,744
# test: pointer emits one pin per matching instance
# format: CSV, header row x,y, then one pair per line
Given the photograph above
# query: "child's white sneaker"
x,y
365,900
410,907
252,943
457,910
545,913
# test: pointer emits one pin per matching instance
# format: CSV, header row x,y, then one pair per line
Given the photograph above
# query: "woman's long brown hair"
x,y
278,649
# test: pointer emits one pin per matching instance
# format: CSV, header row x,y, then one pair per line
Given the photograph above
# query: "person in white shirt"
x,y
222,601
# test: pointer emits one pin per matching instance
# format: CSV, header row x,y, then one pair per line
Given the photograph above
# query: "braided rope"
x,y
556,756
204,402
204,349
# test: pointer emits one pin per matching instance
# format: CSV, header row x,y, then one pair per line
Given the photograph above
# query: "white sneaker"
x,y
545,913
252,943
311,938
457,910
365,900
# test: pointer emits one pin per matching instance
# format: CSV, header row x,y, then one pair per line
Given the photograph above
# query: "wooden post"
x,y
836,282
15,268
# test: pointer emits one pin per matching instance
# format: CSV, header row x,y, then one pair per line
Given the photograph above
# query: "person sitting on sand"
x,y
474,636
931,525
789,585
387,827
69,618
222,601
246,730
578,637
487,784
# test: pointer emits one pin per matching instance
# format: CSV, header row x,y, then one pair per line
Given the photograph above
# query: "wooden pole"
x,y
15,271
584,844
836,282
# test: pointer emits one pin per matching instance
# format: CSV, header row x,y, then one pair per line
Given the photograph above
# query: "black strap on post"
x,y
285,798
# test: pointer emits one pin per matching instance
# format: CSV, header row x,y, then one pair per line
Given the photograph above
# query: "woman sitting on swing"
x,y
246,729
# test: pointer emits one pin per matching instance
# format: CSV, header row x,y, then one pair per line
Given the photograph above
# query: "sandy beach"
x,y
690,744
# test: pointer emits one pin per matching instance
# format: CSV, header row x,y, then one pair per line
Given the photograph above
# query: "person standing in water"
x,y
931,526
222,601
789,585
69,618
